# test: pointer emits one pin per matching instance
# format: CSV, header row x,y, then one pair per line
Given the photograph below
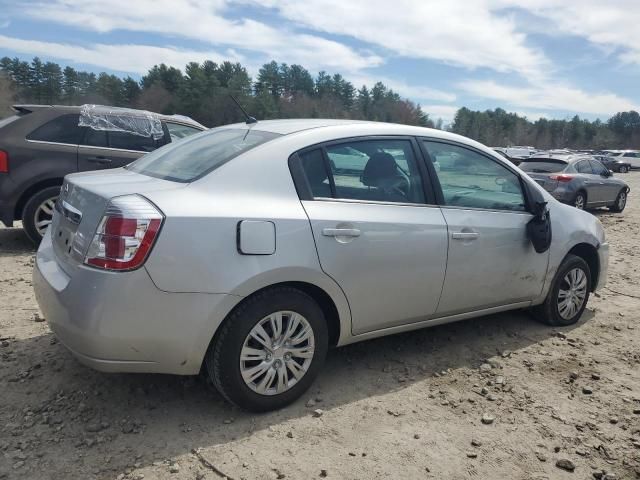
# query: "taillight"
x,y
561,177
4,162
125,235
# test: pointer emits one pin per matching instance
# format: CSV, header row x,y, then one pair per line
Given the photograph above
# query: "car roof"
x,y
298,125
24,107
294,125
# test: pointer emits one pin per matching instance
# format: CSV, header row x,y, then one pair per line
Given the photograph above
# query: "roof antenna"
x,y
250,119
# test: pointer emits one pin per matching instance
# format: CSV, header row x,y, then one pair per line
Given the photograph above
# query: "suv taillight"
x,y
4,162
125,235
561,177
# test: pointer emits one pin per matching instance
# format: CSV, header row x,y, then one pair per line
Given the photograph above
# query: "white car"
x,y
632,157
248,250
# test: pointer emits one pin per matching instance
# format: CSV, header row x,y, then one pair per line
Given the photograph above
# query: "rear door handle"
x,y
99,159
465,235
340,232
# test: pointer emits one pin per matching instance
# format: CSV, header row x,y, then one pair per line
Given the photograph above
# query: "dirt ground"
x,y
407,406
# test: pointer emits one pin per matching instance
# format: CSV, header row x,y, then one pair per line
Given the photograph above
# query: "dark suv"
x,y
41,144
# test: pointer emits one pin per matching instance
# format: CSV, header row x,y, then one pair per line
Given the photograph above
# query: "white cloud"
x,y
203,21
445,112
549,95
610,23
461,33
124,57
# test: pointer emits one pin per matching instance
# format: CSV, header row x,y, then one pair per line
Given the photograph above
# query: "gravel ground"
x,y
497,397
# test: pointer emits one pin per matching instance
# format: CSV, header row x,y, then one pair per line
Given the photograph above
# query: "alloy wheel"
x,y
572,293
43,215
622,200
579,203
277,353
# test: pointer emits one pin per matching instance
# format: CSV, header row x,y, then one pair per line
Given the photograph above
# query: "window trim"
x,y
500,161
304,190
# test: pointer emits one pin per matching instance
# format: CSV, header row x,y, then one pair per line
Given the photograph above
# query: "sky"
x,y
539,58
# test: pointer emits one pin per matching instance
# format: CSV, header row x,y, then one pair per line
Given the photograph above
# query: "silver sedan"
x,y
249,250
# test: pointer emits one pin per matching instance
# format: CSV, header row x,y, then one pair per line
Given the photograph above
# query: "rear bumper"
x,y
603,259
120,322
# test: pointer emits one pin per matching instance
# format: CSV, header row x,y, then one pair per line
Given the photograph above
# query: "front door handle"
x,y
340,232
99,159
465,235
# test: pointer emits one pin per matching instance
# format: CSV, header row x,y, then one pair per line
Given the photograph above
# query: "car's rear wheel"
x,y
38,213
620,203
269,350
568,295
580,202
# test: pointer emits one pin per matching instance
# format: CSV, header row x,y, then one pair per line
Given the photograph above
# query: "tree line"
x,y
500,128
202,91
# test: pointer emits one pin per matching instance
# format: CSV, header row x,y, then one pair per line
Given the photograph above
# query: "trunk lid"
x,y
81,205
544,180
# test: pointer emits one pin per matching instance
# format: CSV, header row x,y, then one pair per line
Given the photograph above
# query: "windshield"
x,y
541,166
189,159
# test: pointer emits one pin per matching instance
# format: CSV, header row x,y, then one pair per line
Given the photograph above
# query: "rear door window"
x,y
584,167
376,170
598,168
95,138
63,129
129,141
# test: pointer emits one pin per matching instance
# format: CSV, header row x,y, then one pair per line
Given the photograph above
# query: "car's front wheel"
x,y
623,169
568,295
269,350
38,213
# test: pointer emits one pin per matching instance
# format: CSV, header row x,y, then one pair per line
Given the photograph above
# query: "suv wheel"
x,y
269,350
620,203
38,212
568,295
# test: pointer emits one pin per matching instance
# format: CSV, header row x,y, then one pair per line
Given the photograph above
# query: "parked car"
x,y
248,250
630,156
613,164
41,144
581,181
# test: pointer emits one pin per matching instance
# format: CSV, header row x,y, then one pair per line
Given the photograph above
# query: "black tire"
x,y
623,169
581,195
223,358
620,203
30,208
548,312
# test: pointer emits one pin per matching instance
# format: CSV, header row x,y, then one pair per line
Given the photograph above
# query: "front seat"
x,y
381,173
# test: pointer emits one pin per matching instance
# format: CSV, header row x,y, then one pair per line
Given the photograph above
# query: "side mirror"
x,y
539,227
609,173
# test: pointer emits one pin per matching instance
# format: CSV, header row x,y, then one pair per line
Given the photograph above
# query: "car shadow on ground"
x,y
155,417
13,241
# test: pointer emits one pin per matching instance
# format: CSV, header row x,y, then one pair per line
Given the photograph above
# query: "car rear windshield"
x,y
193,157
542,166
